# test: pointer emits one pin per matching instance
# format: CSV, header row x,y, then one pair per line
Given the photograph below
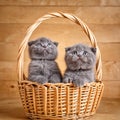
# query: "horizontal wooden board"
x,y
12,109
111,70
9,89
112,89
8,70
106,107
110,52
10,51
14,33
97,15
61,2
108,110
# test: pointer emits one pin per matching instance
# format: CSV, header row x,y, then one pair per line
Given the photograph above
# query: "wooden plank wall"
x,y
102,16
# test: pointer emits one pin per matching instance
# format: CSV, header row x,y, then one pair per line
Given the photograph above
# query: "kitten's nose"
x,y
44,45
80,53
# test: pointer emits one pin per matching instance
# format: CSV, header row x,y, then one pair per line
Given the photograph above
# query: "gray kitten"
x,y
43,68
80,60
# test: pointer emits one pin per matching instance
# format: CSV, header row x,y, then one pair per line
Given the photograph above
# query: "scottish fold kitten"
x,y
80,60
43,68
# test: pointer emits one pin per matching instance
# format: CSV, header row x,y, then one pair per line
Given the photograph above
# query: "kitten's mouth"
x,y
74,59
46,52
38,52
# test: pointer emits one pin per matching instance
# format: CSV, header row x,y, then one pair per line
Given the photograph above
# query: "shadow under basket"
x,y
59,101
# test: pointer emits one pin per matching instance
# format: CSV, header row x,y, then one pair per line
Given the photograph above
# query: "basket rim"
x,y
58,84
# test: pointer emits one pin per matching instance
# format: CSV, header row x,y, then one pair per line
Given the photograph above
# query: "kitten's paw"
x,y
67,80
78,83
42,80
39,79
56,78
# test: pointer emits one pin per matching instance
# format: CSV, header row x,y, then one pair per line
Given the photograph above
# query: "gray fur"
x,y
43,68
80,60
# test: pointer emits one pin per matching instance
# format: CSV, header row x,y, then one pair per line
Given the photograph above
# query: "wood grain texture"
x,y
8,71
19,14
10,51
14,33
112,89
111,70
9,89
12,110
110,52
61,2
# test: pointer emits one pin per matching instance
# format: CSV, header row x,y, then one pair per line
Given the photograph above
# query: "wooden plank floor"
x,y
12,110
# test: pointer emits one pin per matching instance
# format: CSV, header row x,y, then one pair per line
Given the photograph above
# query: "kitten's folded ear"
x,y
93,50
55,43
31,42
67,49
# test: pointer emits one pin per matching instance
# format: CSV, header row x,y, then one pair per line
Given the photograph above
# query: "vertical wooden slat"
x,y
23,94
56,100
79,101
45,100
34,98
101,93
88,99
95,98
49,100
60,100
67,100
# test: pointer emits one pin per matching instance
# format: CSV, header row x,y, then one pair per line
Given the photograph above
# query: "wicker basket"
x,y
59,101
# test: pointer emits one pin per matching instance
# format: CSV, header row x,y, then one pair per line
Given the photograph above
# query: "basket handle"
x,y
22,47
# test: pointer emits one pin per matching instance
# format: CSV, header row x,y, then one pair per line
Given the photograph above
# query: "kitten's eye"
x,y
75,52
49,44
85,53
38,44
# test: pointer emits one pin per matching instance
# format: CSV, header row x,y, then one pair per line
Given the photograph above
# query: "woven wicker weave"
x,y
59,101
